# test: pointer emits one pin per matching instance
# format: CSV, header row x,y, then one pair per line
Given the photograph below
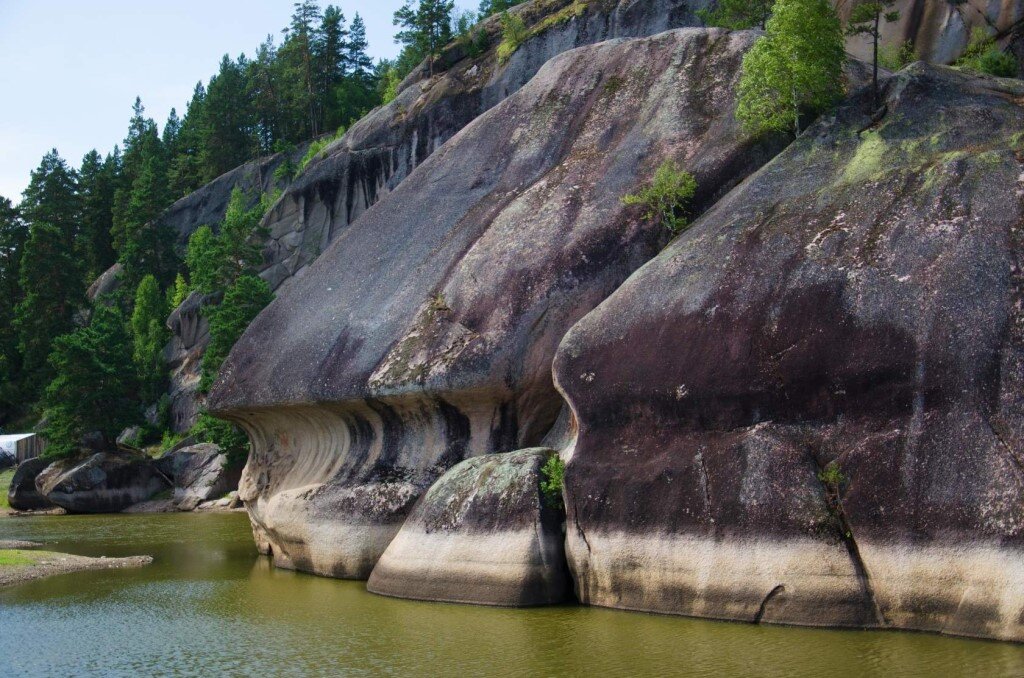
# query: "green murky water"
x,y
210,606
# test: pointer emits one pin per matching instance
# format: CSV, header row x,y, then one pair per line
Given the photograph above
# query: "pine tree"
x,y
491,7
329,65
357,62
297,61
426,28
97,184
866,19
795,69
172,128
185,173
239,241
50,276
203,260
94,385
149,335
264,89
13,234
242,303
229,120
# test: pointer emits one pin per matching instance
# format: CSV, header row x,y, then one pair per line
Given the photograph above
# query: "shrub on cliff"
x,y
148,338
513,34
667,197
737,14
983,56
552,480
795,69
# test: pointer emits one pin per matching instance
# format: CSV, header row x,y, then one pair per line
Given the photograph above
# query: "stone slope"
x,y
383,148
425,333
857,301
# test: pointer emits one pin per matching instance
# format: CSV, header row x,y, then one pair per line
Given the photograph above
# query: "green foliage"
x,y
149,335
866,19
490,7
228,437
180,291
552,481
203,260
667,197
426,27
13,235
316,147
982,55
896,57
242,302
796,68
832,476
239,241
737,14
513,34
94,387
5,483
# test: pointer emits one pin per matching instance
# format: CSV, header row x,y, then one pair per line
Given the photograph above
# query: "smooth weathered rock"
x,y
858,300
200,473
107,283
424,336
384,147
22,494
484,534
104,482
130,436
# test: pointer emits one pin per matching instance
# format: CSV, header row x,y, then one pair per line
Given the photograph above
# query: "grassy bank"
x,y
5,482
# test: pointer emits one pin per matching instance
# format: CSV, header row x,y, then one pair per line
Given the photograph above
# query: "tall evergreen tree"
x,y
13,234
298,66
426,28
242,302
185,173
94,384
357,62
97,184
265,94
172,128
229,119
329,64
149,335
51,278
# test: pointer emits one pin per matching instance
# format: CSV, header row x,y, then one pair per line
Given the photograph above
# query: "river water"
x,y
209,605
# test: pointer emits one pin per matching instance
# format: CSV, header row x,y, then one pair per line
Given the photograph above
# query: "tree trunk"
x,y
874,65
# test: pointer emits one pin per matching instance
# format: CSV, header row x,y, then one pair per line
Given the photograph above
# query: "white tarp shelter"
x,y
21,446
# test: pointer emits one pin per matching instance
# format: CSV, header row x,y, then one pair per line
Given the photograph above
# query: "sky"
x,y
71,69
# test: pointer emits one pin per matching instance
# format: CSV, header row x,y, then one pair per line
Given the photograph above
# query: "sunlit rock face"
x,y
484,533
381,149
425,334
857,301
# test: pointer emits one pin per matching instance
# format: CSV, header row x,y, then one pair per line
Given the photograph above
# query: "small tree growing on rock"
x,y
866,19
737,14
667,197
795,68
242,302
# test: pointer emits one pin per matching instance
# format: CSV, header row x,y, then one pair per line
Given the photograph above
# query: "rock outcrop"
x,y
200,473
808,409
105,482
22,494
484,533
190,335
422,337
383,148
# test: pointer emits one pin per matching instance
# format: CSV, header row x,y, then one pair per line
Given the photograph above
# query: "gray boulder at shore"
x,y
483,533
858,302
22,494
105,482
200,474
425,336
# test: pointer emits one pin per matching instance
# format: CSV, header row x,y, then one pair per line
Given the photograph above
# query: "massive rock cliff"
x,y
381,149
808,409
424,336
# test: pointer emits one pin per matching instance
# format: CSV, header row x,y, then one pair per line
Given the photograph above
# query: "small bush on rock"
x,y
667,198
552,481
225,435
513,34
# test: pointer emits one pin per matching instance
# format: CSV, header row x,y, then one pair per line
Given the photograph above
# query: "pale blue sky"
x,y
70,69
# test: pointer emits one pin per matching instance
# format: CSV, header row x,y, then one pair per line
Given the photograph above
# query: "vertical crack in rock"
x,y
764,603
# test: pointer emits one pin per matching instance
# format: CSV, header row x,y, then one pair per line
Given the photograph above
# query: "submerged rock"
x,y
22,494
856,302
104,482
425,335
483,533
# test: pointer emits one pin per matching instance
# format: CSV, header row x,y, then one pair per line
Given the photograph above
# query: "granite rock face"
x,y
383,148
190,335
22,494
484,533
200,474
858,302
105,482
425,336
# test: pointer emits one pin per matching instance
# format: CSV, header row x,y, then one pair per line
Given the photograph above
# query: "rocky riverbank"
x,y
18,566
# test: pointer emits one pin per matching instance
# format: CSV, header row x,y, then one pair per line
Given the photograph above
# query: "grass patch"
x,y
5,484
19,558
667,198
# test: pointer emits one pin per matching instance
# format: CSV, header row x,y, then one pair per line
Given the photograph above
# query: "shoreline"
x,y
18,566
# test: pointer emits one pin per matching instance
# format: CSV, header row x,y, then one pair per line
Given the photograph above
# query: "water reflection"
x,y
210,605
